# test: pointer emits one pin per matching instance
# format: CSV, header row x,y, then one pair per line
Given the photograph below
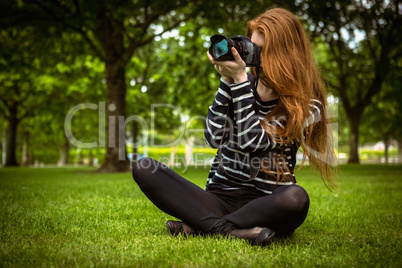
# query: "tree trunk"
x,y
24,160
109,33
90,158
2,141
64,153
172,158
354,139
386,148
11,142
189,151
134,133
26,151
116,157
400,150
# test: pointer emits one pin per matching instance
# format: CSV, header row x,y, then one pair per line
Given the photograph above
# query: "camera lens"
x,y
221,48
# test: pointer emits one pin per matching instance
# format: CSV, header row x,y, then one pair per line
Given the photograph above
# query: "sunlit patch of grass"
x,y
74,217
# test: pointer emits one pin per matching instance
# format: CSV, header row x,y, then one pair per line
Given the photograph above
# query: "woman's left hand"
x,y
235,70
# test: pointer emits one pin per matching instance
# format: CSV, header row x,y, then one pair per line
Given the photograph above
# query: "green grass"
x,y
74,217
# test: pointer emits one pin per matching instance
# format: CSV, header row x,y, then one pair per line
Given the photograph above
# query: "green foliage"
x,y
54,51
359,45
75,217
382,118
19,70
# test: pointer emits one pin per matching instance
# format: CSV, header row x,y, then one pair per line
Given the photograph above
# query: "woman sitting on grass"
x,y
251,192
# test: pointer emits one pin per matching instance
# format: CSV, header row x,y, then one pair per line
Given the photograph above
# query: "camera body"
x,y
220,49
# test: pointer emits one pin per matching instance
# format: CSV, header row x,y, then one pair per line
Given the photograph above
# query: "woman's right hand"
x,y
231,71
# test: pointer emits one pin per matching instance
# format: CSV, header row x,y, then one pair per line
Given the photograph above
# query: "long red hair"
x,y
290,70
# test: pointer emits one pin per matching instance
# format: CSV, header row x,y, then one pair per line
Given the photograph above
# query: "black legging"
x,y
222,211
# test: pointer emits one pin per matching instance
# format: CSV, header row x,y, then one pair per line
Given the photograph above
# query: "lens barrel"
x,y
221,46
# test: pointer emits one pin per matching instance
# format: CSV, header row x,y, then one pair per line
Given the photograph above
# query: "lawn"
x,y
75,217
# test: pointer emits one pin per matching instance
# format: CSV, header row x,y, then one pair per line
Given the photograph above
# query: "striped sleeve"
x,y
218,124
250,134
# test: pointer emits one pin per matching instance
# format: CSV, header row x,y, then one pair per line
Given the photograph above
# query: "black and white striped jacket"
x,y
233,124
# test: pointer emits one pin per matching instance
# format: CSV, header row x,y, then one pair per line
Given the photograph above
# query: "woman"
x,y
251,192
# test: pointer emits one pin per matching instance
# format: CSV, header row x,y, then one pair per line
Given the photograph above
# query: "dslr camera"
x,y
220,49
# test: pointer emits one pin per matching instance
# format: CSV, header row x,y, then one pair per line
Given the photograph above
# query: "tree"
x,y
356,69
19,65
114,30
382,119
71,90
175,70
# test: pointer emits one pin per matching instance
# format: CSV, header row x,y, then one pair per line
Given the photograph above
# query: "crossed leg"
x,y
177,196
283,211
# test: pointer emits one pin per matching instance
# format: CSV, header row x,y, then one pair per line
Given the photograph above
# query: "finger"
x,y
236,55
210,58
